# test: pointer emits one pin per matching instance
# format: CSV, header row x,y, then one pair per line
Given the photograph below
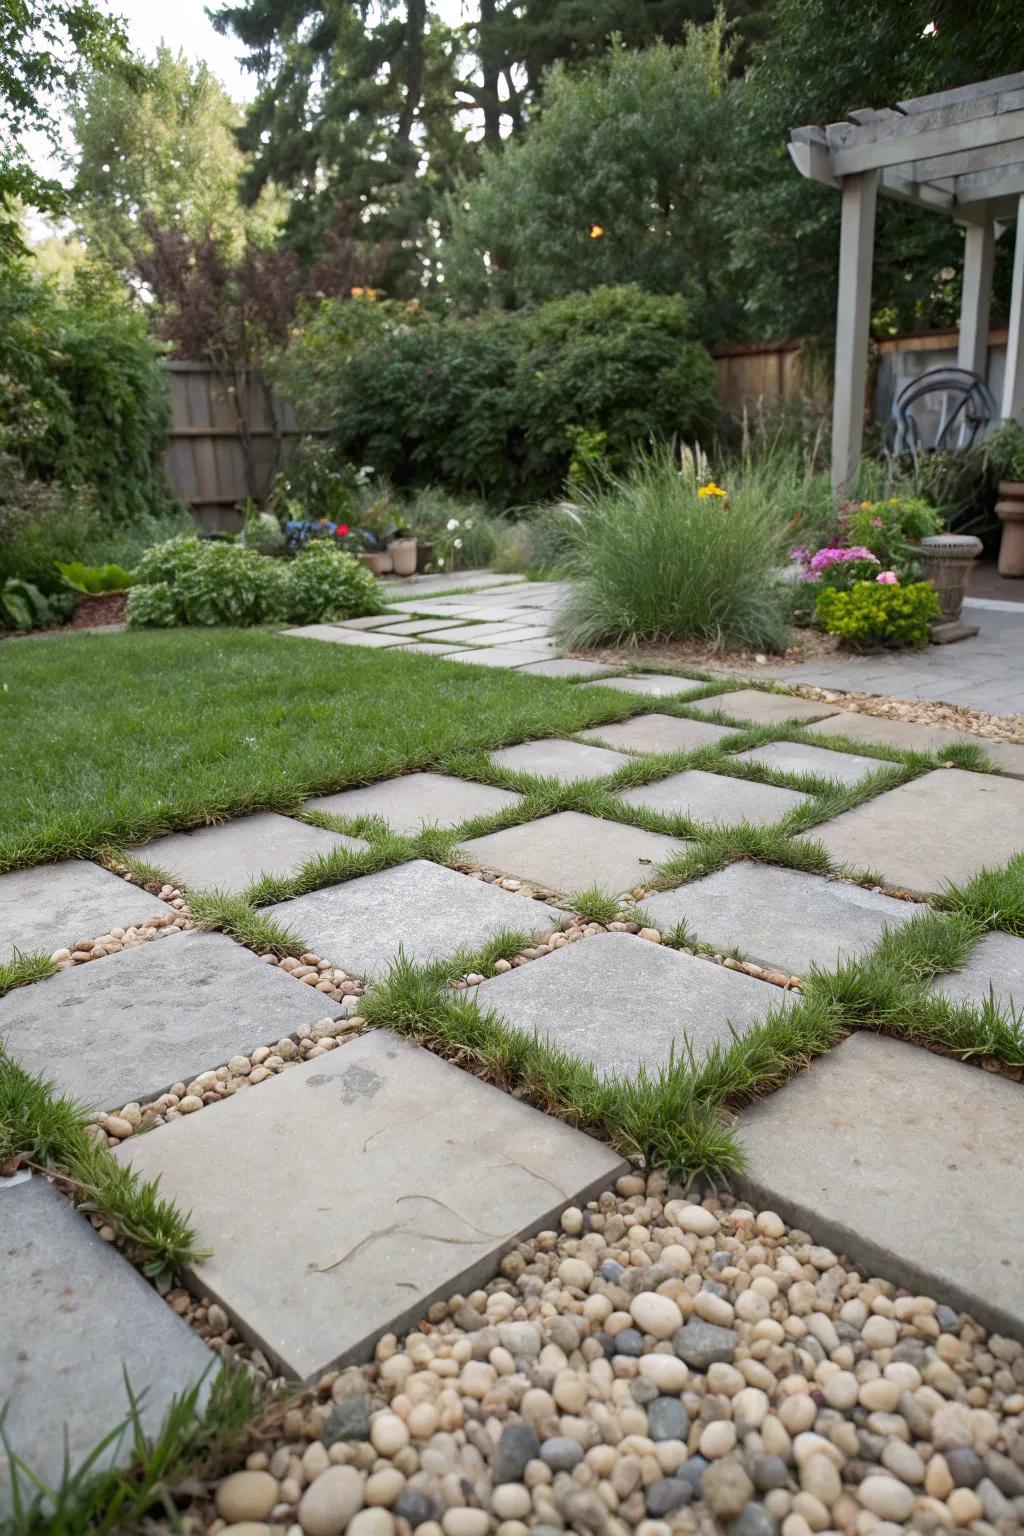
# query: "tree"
x,y
159,140
44,47
618,180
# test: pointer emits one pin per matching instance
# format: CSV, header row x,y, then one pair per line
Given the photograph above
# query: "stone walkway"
x,y
368,1177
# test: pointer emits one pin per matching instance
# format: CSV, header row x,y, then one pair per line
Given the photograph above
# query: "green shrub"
x,y
657,560
874,614
194,581
462,531
23,606
540,541
94,580
889,529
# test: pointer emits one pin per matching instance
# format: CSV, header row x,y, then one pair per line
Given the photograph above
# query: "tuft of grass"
x,y
719,846
224,912
994,897
46,1130
23,968
594,905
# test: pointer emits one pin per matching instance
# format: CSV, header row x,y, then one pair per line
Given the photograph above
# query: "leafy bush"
x,y
660,557
1004,451
539,542
94,580
876,613
889,529
464,535
194,581
23,606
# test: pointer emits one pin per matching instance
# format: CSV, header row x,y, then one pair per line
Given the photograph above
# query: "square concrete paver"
x,y
909,1162
659,733
995,967
76,1318
1006,755
498,634
715,799
794,757
418,800
621,1002
129,1026
418,1179
230,856
570,852
654,685
419,626
503,656
371,621
780,917
944,826
427,648
762,708
52,906
552,758
424,909
565,666
369,638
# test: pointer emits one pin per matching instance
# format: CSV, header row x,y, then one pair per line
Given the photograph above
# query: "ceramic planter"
x,y
378,563
403,556
1010,512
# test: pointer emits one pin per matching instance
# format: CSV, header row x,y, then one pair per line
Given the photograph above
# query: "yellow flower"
x,y
864,505
894,501
711,489
596,231
357,293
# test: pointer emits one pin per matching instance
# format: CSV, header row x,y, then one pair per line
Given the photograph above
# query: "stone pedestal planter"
x,y
1010,512
947,560
403,556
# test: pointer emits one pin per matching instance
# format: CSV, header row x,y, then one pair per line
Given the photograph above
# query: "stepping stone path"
x,y
654,685
619,1001
564,666
420,1178
76,1319
125,1028
904,834
995,968
371,639
780,917
907,734
763,708
659,733
917,1174
418,800
421,909
713,798
794,757
52,906
554,759
504,656
230,856
571,852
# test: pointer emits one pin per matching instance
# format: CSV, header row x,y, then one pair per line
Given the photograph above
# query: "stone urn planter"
x,y
1010,512
947,559
403,556
377,562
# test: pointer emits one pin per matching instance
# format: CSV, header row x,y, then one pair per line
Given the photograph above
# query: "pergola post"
x,y
979,253
853,322
1013,381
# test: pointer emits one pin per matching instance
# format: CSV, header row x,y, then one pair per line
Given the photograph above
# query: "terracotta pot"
x,y
403,556
379,564
1010,512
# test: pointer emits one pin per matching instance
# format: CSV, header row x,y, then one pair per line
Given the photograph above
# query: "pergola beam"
x,y
1000,86
965,161
875,146
1013,379
853,325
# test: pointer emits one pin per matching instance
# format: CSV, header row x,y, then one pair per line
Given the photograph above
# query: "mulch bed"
x,y
90,613
809,645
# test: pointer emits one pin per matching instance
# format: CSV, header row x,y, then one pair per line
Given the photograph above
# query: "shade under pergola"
x,y
958,153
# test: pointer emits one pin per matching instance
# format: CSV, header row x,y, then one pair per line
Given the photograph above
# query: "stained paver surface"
x,y
127,1027
419,1177
620,1001
570,852
76,1319
944,826
53,906
764,708
418,799
233,854
780,917
715,798
794,757
659,733
907,1161
555,759
994,969
425,910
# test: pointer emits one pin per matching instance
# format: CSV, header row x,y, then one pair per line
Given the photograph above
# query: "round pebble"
x,y
246,1496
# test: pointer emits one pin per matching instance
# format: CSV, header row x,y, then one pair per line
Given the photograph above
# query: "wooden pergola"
x,y
959,153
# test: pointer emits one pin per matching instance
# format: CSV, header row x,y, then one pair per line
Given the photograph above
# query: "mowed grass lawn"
x,y
109,739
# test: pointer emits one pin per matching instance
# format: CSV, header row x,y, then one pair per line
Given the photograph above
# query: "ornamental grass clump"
x,y
664,553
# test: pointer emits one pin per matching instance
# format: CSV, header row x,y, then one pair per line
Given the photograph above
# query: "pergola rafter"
x,y
960,153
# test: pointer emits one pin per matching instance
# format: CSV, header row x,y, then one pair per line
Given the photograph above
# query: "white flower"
x,y
453,522
367,470
439,562
468,523
457,543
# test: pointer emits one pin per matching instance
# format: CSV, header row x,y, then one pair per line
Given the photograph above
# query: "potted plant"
x,y
402,549
1004,457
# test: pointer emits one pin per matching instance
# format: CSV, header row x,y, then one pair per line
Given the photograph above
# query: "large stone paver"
x,y
424,909
369,638
909,1162
230,856
419,1177
659,733
504,655
52,906
76,1319
764,708
995,968
621,1002
1006,755
794,757
944,826
714,798
498,634
418,626
780,917
565,666
129,1026
552,758
418,800
654,685
570,852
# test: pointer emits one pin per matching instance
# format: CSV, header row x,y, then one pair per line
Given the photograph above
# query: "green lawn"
x,y
108,739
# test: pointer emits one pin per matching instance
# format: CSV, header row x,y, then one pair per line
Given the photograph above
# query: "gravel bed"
x,y
656,1366
921,712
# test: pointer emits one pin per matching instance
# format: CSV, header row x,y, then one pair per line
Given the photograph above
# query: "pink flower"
x,y
799,553
888,579
833,555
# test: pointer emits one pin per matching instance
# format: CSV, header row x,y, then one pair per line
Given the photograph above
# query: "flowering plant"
x,y
871,614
